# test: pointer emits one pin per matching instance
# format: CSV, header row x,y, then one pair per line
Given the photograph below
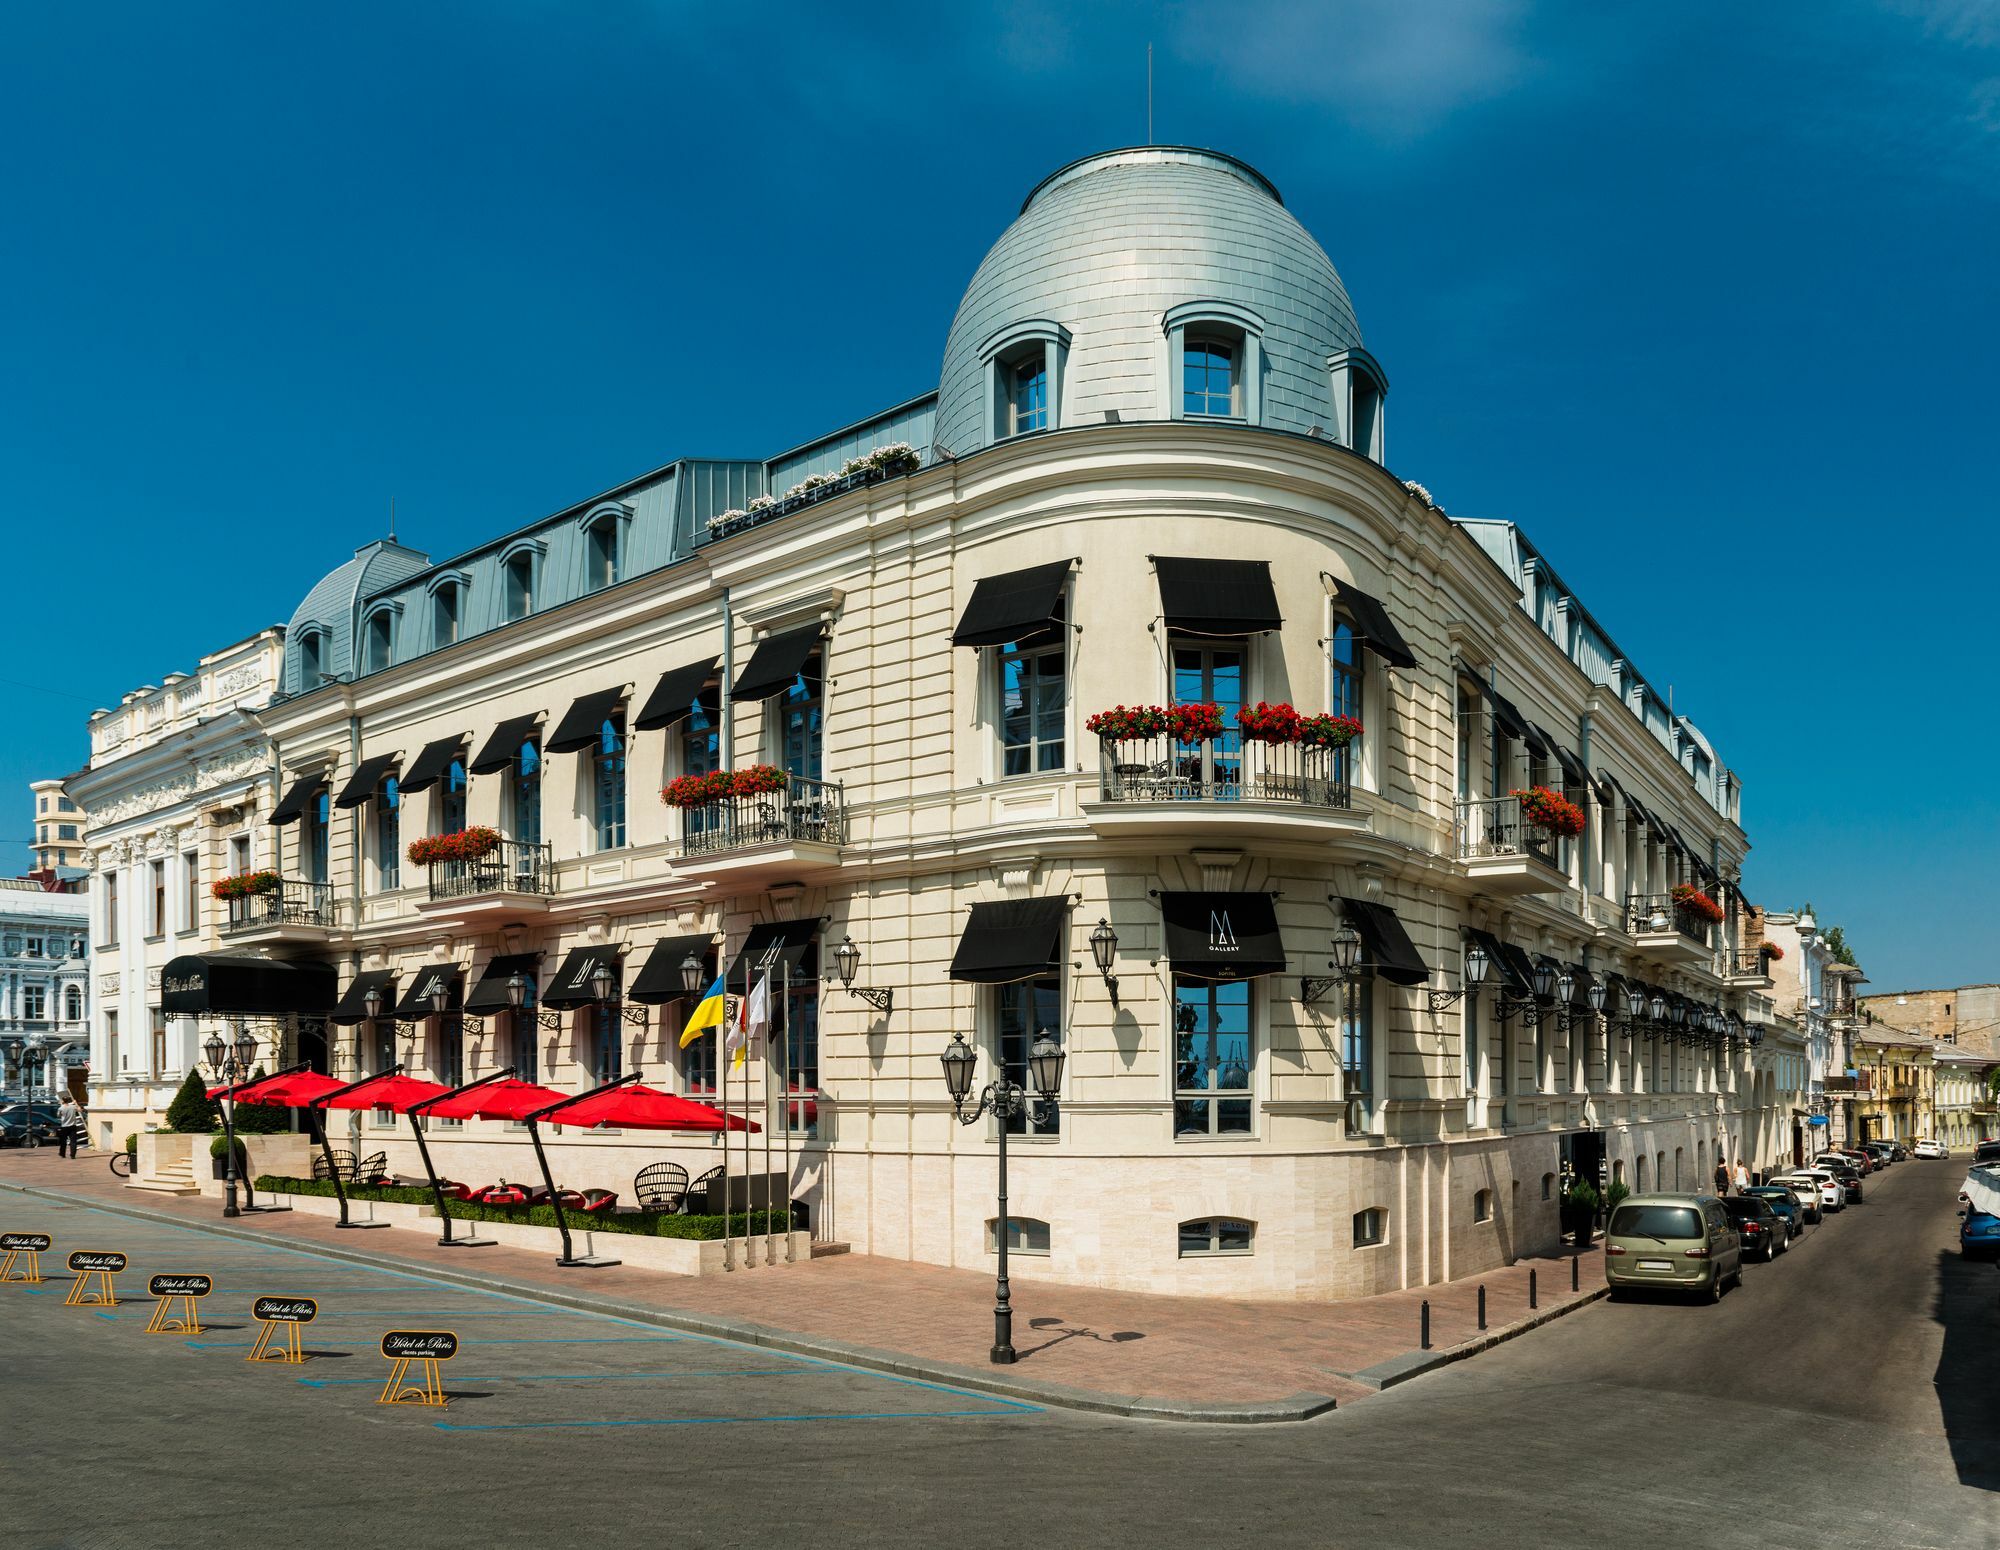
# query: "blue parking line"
x,y
1006,1405
585,1377
227,1345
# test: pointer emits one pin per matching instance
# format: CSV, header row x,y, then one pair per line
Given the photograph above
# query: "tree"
x,y
193,1112
1837,948
262,1119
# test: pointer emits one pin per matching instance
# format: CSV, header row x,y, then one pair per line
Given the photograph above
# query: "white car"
x,y
1832,1193
1926,1147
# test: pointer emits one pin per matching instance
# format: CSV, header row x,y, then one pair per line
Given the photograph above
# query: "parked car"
x,y
19,1127
1884,1152
1986,1152
1832,1195
1762,1231
1979,1232
1927,1147
1685,1243
1791,1204
1853,1156
1850,1178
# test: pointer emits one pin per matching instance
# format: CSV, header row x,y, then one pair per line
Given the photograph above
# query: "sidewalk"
x,y
1127,1353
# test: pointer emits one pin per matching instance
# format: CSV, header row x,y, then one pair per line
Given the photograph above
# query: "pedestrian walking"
x,y
1721,1175
69,1127
1741,1178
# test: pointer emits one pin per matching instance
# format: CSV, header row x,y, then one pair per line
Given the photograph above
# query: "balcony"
x,y
511,880
1504,853
1666,932
292,910
786,834
1746,968
1226,785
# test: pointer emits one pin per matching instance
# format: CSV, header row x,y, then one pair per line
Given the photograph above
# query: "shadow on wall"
x,y
1968,1372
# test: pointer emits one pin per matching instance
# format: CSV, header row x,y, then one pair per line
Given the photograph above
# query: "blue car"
x,y
1785,1203
1979,1232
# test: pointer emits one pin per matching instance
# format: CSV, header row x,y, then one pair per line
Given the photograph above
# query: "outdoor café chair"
x,y
597,1202
342,1161
372,1170
661,1186
701,1185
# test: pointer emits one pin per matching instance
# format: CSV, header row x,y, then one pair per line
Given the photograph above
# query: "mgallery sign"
x,y
285,1310
426,1345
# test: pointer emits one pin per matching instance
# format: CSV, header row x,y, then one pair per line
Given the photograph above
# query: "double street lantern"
x,y
230,1062
1003,1099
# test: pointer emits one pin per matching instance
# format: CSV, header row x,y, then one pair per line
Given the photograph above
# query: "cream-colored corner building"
x,y
173,797
1153,473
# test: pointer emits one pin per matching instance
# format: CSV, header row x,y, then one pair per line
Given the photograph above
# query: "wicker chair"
x,y
661,1186
343,1164
371,1170
700,1188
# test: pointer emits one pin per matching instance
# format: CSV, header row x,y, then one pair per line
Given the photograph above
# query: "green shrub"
x,y
193,1113
643,1224
219,1144
132,1142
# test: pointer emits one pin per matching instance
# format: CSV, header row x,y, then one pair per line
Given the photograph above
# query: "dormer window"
x,y
602,543
1215,362
1028,395
376,641
445,602
312,659
1210,382
1024,369
1359,388
518,581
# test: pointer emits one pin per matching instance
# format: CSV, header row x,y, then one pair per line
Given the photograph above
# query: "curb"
x,y
1302,1406
1401,1369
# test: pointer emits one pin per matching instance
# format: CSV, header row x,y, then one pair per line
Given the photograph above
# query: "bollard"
x,y
1482,1304
1424,1326
1532,1303
1574,1261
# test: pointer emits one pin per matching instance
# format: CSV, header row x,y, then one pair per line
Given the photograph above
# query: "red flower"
x,y
1695,902
1550,810
464,845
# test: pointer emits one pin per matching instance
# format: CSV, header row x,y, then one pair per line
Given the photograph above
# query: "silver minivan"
x,y
1675,1243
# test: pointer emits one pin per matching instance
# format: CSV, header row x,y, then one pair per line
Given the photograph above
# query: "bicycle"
x,y
121,1163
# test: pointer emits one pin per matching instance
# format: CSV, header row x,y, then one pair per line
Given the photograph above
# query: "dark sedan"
x,y
19,1128
1787,1205
1764,1232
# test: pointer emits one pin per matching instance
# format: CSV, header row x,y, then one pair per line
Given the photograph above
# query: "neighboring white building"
x,y
44,988
56,853
172,798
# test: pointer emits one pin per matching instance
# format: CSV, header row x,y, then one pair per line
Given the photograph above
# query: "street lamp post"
x,y
1003,1099
33,1054
230,1062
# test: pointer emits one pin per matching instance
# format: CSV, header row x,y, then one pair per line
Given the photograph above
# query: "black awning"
x,y
1385,946
366,780
489,991
1505,712
352,1007
504,742
1516,973
1012,607
1538,740
572,986
659,977
1743,898
1222,936
416,1002
205,983
674,695
297,799
1580,982
1206,596
583,723
1377,631
431,764
774,662
1573,768
773,943
1015,939
1607,787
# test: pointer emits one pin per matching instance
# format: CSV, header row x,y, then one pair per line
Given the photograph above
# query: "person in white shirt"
x,y
1740,1179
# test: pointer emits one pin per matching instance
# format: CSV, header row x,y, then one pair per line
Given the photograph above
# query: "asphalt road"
x,y
1845,1396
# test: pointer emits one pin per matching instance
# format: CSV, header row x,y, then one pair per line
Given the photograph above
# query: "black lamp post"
x,y
1003,1099
1104,953
1345,963
231,1062
847,962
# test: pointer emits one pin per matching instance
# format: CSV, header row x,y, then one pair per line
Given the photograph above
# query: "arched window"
x,y
1215,357
1024,367
377,640
1027,395
446,602
524,793
1211,381
519,584
603,548
607,763
313,644
1359,389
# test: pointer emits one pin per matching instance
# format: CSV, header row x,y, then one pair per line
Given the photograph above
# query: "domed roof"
x,y
330,606
1108,245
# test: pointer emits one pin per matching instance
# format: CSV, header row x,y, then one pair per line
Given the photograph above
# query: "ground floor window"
x,y
525,1039
1482,1205
607,1050
1026,1009
1212,1235
1357,1039
1211,1057
1370,1227
798,1043
1025,1235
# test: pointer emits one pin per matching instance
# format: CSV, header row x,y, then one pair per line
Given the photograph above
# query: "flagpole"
x,y
764,1057
722,1092
785,1092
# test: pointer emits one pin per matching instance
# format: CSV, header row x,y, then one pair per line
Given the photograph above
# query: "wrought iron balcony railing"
x,y
293,902
1746,962
807,811
1650,914
512,866
1493,826
1229,768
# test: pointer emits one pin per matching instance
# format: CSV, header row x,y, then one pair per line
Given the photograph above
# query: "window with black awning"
x,y
366,780
583,723
297,798
352,1007
424,984
218,984
1505,713
659,977
1573,768
1012,607
1204,596
775,662
489,991
572,985
1607,786
1385,945
430,765
1222,936
1013,939
774,943
1508,961
503,744
1372,624
673,697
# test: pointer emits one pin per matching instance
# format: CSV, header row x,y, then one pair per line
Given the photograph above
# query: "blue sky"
x,y
1701,295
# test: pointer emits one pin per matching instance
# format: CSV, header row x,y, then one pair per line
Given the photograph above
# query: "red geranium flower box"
x,y
465,845
1550,810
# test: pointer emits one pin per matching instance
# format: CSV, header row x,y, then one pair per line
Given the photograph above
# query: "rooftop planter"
x,y
886,462
465,845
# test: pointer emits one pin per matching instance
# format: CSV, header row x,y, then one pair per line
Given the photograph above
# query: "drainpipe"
x,y
1593,860
726,733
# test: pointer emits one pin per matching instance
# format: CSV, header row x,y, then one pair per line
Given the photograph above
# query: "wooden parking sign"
x,y
94,1269
23,1246
426,1348
275,1314
175,1312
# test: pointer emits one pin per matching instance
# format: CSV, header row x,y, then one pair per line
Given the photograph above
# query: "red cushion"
x,y
599,1199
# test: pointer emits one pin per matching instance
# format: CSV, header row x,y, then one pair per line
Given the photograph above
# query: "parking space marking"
x,y
590,1377
1002,1407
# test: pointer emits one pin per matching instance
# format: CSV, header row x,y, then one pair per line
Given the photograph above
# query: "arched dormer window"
x,y
315,648
520,571
448,591
1215,362
1024,372
1359,390
603,532
378,634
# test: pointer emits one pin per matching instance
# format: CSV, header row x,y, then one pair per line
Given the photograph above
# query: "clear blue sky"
x,y
1701,295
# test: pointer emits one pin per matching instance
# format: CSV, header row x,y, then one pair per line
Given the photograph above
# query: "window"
x,y
1028,394
451,1050
312,659
191,895
1209,380
65,805
798,1042
65,831
376,641
111,1057
1468,1042
1026,1009
1370,1227
388,808
801,722
43,806
701,751
450,806
518,584
600,553
524,794
1348,679
698,1059
607,785
72,1003
444,614
239,854
1211,1057
110,909
313,831
527,1058
159,1017
1033,705
157,920
1542,1050
33,948
1482,1205
34,1003
1214,1235
1024,364
1357,1038
1025,1235
1214,674
607,1052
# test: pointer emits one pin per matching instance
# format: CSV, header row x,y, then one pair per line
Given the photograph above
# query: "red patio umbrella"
x,y
391,1090
296,1089
638,1107
509,1099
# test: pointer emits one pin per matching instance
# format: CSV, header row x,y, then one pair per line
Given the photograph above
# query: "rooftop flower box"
x,y
245,885
1550,811
873,466
465,845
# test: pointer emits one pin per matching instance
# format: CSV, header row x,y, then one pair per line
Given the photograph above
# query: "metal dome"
x,y
330,608
1107,246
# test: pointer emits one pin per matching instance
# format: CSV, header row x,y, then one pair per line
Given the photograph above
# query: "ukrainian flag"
x,y
708,1014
